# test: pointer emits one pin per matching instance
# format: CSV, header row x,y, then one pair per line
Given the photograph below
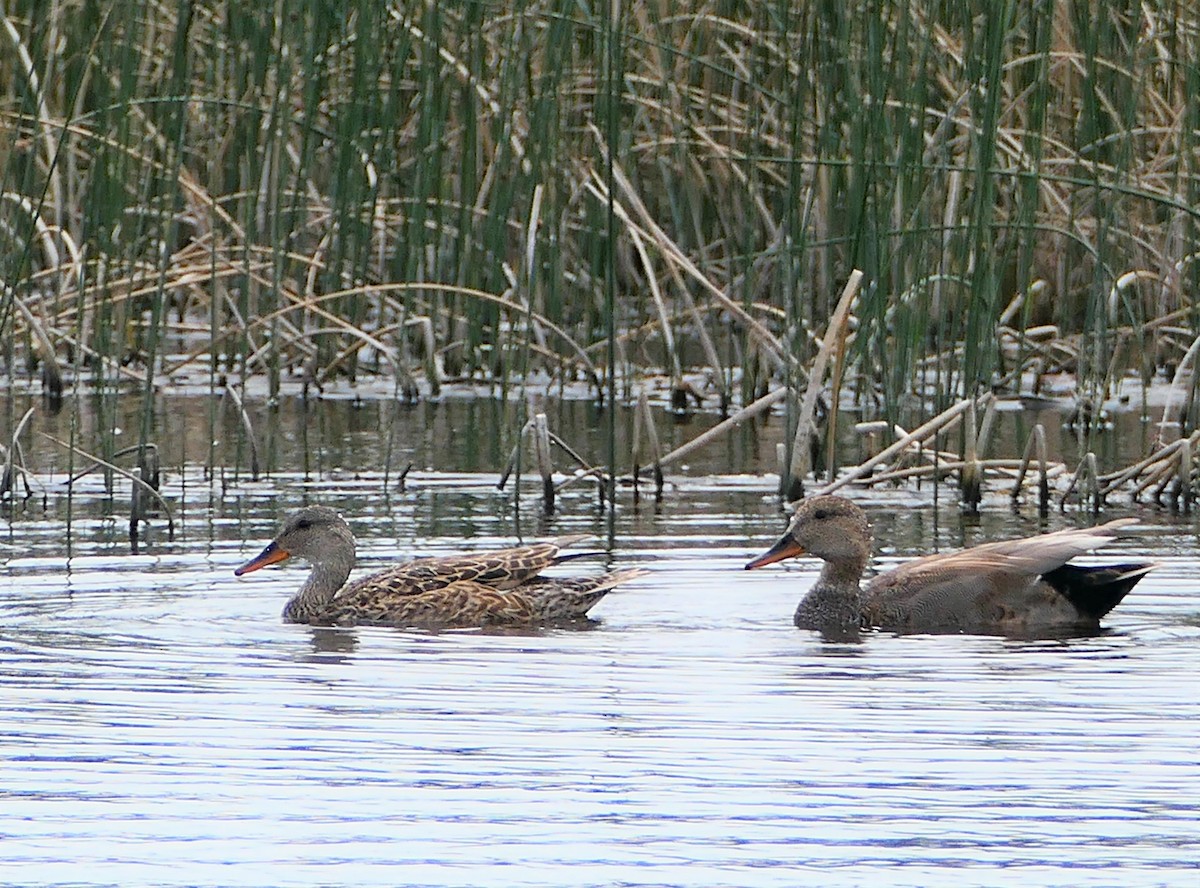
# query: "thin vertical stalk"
x,y
612,94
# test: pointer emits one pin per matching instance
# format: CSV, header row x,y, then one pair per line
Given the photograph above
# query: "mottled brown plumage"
x,y
1023,587
499,588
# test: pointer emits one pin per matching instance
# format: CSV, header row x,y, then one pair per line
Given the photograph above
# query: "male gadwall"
x,y
499,588
1016,587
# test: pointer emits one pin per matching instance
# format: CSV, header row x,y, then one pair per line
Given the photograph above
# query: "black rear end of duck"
x,y
1095,590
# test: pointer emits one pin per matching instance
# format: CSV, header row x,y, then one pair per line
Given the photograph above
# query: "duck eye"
x,y
304,524
820,514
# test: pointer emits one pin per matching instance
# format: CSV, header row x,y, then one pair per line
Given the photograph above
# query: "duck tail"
x,y
571,556
1095,590
563,542
570,598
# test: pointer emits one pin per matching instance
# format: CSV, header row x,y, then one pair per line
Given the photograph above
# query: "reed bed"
x,y
548,193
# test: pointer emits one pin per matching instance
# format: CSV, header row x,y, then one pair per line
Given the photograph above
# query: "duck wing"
x,y
457,604
498,569
470,604
992,584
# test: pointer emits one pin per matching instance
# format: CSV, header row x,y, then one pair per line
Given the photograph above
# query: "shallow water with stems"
x,y
163,726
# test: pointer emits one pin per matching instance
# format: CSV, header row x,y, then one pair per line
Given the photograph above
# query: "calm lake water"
x,y
162,726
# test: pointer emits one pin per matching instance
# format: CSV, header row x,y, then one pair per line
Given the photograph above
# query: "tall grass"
x,y
298,191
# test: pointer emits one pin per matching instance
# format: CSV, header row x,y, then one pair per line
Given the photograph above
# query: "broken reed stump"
x,y
1087,480
976,441
148,465
1035,445
970,479
540,432
1181,494
643,427
540,438
135,508
836,333
248,428
14,460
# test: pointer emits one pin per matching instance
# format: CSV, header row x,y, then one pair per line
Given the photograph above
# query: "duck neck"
x,y
834,603
318,591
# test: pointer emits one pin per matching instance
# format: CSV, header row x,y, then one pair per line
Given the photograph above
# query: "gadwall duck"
x,y
1016,587
499,588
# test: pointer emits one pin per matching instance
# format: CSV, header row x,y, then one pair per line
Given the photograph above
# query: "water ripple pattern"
x,y
162,726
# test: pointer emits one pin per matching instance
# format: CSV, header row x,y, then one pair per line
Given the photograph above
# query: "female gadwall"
x,y
500,588
1015,587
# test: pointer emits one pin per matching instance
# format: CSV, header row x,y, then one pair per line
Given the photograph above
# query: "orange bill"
x,y
270,555
785,548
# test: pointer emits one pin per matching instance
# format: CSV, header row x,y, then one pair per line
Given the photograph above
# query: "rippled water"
x,y
162,726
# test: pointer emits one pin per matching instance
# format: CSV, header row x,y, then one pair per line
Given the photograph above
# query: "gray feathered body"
x,y
1014,587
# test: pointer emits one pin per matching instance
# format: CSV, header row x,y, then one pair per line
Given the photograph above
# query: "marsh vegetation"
x,y
904,210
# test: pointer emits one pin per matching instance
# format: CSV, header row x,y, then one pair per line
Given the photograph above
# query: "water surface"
x,y
162,726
